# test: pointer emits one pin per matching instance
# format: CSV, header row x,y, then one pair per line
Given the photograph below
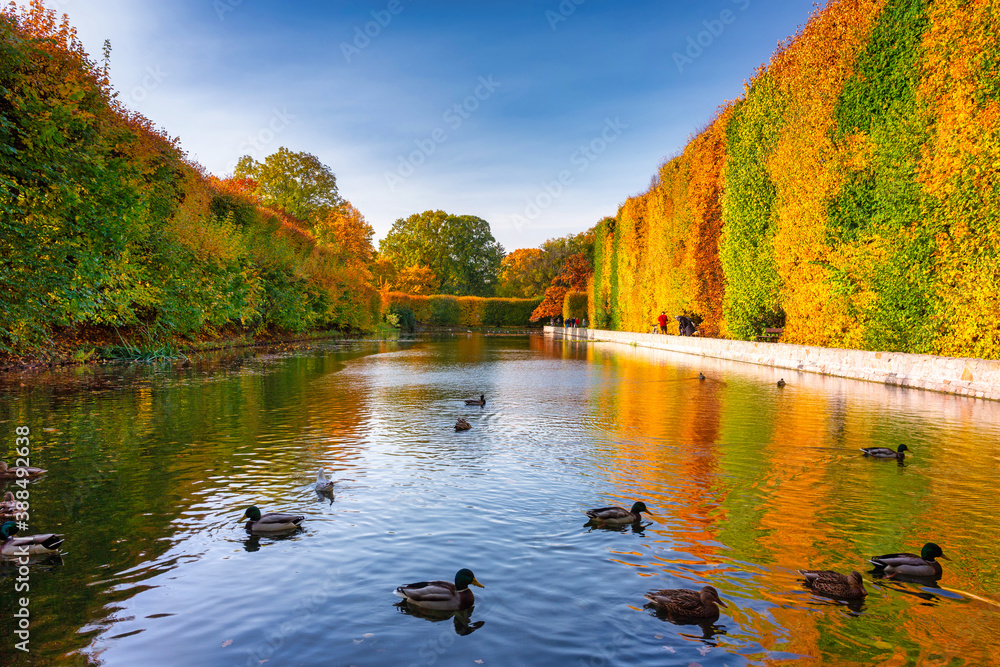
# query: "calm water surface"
x,y
150,470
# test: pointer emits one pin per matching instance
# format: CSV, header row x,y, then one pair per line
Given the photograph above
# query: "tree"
x,y
459,249
417,279
347,231
528,272
522,274
573,277
384,274
297,183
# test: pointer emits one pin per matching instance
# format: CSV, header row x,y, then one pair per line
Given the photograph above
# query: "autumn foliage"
x,y
850,196
573,276
104,221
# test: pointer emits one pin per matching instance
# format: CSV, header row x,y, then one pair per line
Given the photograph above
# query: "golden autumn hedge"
x,y
851,195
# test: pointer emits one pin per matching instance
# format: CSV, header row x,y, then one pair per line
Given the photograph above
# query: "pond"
x,y
151,468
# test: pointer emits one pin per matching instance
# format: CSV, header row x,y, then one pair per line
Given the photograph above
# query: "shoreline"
x,y
974,378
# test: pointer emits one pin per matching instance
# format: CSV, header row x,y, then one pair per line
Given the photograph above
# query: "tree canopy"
x,y
572,277
346,231
458,249
297,183
528,272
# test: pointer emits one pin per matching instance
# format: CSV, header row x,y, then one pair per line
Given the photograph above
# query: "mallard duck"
x,y
701,376
9,506
270,523
781,382
885,452
835,584
476,401
442,595
323,485
32,545
20,471
462,425
683,603
911,565
618,515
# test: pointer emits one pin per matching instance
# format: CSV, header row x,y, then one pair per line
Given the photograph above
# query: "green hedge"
x,y
575,305
883,205
752,299
444,310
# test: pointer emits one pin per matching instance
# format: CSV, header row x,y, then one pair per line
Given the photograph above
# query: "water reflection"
x,y
710,628
148,467
462,620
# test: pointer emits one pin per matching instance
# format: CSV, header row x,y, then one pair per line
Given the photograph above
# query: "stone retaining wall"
x,y
967,377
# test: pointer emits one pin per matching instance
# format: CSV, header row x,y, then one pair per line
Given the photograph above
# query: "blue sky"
x,y
539,116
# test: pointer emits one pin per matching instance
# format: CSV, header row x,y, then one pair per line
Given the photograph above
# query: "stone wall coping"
x,y
966,376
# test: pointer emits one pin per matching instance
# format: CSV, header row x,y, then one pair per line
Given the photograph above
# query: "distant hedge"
x,y
444,310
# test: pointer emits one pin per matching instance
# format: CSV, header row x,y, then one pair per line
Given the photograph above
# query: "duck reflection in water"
x,y
252,543
462,619
710,628
638,528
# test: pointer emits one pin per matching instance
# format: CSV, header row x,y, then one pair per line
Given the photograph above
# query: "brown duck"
x,y
834,584
684,603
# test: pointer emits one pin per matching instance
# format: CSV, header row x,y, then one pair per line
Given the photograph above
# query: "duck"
x,y
834,584
684,603
781,382
9,506
701,376
476,401
272,522
885,452
462,425
442,595
618,515
31,545
20,471
911,565
323,485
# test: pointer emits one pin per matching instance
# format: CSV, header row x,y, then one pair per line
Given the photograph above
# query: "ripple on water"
x,y
745,486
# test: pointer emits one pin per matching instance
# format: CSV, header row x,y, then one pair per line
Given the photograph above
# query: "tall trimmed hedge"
x,y
575,305
444,310
851,195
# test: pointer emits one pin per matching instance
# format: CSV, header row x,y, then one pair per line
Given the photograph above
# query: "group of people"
x,y
684,324
573,322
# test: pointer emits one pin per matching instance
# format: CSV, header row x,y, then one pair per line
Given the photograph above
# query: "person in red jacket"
x,y
662,319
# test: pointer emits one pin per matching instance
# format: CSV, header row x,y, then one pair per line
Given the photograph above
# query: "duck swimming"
x,y
20,471
885,452
684,603
32,545
9,506
835,584
618,515
442,595
476,401
911,565
270,523
323,485
462,425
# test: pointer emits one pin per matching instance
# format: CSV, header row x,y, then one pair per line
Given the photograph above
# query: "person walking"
x,y
662,319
